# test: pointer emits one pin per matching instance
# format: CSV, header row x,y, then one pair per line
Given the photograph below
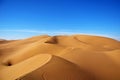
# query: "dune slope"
x,y
75,57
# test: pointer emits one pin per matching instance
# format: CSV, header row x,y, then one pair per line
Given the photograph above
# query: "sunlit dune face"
x,y
75,57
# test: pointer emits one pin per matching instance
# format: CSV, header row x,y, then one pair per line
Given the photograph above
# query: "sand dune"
x,y
97,63
75,57
15,71
58,69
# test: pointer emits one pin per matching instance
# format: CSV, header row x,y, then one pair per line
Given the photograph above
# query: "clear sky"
x,y
25,18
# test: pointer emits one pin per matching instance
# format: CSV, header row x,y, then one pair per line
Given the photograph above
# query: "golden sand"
x,y
75,57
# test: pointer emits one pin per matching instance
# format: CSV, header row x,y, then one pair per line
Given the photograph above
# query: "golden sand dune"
x,y
15,71
75,57
97,63
58,69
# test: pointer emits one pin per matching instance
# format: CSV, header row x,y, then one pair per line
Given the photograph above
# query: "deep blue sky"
x,y
25,18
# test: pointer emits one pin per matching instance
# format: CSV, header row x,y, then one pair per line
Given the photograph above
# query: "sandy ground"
x,y
75,57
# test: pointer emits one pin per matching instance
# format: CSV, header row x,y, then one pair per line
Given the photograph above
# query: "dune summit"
x,y
75,57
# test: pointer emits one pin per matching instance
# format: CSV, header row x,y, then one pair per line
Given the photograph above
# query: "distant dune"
x,y
75,57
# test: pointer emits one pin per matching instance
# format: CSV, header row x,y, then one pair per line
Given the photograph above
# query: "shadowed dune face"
x,y
76,57
98,63
58,69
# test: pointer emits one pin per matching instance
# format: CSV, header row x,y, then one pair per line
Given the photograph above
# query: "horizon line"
x,y
57,32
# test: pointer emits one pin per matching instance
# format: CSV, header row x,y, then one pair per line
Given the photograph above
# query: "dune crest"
x,y
75,57
51,40
23,68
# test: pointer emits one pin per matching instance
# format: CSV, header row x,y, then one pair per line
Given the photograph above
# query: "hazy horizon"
x,y
26,18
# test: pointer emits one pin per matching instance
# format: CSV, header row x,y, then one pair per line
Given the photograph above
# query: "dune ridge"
x,y
73,57
21,68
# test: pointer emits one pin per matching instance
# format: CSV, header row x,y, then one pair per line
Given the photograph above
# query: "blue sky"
x,y
26,18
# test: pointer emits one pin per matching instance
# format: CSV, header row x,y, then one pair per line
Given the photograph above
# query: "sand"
x,y
75,57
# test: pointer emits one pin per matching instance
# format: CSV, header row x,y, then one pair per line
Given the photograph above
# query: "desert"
x,y
60,57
